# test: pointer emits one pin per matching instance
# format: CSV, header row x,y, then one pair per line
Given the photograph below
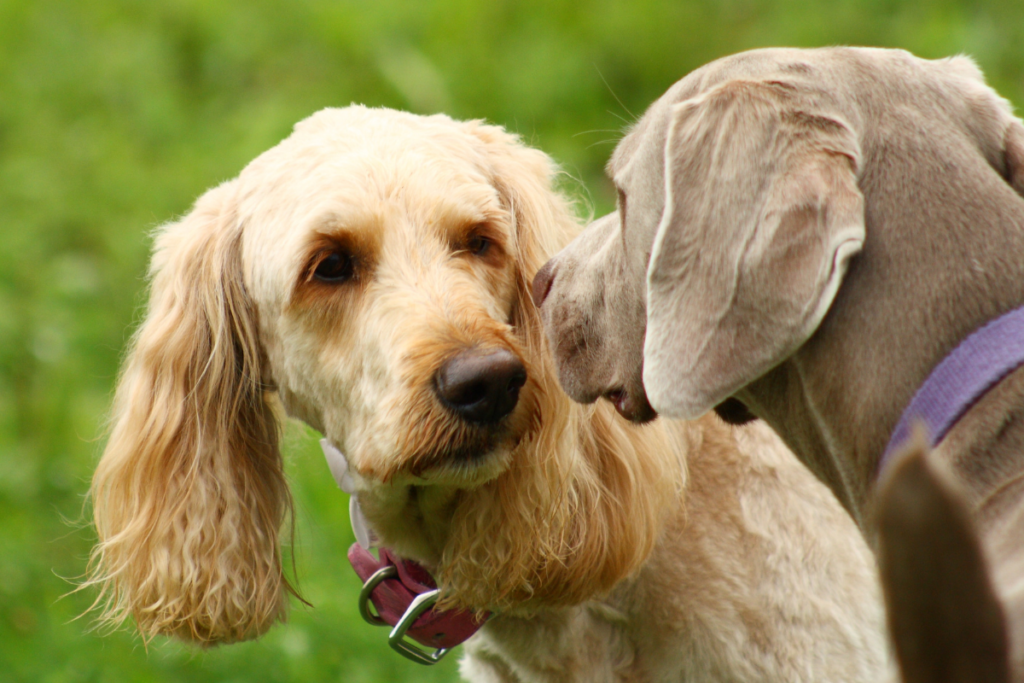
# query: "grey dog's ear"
x,y
762,214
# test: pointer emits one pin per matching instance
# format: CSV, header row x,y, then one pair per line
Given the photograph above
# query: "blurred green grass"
x,y
115,115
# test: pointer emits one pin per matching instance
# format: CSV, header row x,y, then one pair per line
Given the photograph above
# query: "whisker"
x,y
616,97
621,118
597,130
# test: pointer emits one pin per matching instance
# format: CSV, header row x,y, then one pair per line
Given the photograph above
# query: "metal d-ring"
x,y
417,607
388,572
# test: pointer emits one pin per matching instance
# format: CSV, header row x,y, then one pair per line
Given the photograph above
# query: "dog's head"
x,y
386,256
372,271
740,209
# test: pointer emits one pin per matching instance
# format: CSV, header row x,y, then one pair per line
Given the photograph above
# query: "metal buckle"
x,y
421,604
396,639
388,572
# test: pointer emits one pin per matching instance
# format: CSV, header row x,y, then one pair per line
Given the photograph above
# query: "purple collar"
x,y
988,355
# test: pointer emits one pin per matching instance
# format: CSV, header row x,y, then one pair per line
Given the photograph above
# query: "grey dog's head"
x,y
739,210
725,181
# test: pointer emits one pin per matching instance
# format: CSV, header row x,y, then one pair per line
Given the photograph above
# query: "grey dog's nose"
x,y
542,282
480,387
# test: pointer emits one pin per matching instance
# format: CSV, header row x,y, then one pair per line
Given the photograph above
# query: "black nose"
x,y
480,387
542,282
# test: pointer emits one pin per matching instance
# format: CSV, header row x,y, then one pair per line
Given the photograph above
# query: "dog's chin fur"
x,y
579,509
464,466
466,458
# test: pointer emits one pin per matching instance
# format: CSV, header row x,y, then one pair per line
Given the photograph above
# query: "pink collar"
x,y
402,591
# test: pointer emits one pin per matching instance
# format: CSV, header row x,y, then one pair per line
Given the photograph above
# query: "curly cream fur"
x,y
190,496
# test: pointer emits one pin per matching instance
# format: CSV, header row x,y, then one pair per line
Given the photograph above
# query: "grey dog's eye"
x,y
336,267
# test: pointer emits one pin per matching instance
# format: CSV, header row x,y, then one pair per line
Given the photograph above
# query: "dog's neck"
x,y
943,261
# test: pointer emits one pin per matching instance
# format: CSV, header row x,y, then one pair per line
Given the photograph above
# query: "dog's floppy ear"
x,y
189,496
762,214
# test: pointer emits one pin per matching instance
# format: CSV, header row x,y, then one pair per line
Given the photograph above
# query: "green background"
x,y
115,115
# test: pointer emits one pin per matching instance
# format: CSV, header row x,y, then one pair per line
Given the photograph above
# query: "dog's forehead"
x,y
388,155
355,170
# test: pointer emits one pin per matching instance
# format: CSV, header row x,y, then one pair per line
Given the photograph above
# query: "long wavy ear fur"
x,y
189,496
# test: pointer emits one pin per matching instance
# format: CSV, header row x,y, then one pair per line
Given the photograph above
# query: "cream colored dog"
x,y
372,271
807,234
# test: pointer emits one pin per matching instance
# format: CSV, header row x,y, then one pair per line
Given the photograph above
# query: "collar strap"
x,y
402,591
394,596
988,355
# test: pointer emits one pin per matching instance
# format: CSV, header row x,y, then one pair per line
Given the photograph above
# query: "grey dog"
x,y
806,235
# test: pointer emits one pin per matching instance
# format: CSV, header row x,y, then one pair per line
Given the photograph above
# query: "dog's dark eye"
x,y
478,245
336,267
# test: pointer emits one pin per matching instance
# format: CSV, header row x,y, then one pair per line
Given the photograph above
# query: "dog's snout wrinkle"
x,y
481,387
542,282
